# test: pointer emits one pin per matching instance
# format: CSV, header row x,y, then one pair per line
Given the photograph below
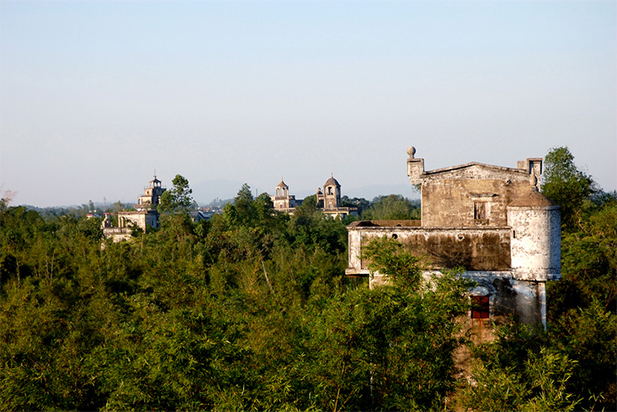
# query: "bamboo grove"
x,y
252,311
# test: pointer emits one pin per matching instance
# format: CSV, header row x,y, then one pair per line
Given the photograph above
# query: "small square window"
x,y
479,211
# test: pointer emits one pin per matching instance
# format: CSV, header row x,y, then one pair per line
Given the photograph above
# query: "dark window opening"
x,y
479,211
480,307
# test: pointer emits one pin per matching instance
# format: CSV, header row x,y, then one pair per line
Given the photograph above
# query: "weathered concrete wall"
x,y
126,219
117,234
143,219
482,248
536,242
449,195
530,302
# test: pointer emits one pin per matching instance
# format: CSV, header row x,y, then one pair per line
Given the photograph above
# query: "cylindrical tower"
x,y
535,251
535,244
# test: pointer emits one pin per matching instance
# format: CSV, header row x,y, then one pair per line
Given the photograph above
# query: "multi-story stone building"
x,y
282,200
145,215
490,220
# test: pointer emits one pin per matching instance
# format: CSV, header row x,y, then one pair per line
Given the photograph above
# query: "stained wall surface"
x,y
475,248
451,197
143,219
536,242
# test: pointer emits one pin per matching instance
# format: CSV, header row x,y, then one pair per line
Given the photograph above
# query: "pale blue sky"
x,y
95,95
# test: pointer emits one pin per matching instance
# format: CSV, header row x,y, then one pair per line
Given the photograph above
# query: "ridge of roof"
x,y
470,164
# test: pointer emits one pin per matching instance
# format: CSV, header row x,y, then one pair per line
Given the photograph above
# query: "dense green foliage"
x,y
179,198
566,185
249,311
391,207
359,202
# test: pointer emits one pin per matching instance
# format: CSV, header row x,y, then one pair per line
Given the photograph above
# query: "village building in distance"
x,y
490,220
146,214
328,200
144,217
282,201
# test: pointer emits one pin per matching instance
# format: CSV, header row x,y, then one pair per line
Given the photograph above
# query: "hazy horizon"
x,y
205,197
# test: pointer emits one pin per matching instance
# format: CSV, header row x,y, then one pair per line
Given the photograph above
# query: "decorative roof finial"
x,y
411,151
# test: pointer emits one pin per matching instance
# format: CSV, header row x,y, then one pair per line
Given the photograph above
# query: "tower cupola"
x,y
282,189
152,195
332,193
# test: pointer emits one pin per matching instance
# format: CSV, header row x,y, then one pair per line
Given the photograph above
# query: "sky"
x,y
97,96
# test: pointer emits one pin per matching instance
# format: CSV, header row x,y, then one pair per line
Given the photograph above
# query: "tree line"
x,y
252,311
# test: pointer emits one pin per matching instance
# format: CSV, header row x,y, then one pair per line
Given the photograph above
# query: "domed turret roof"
x,y
331,182
282,184
532,198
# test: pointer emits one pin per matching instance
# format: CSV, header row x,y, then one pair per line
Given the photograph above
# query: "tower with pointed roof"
x,y
282,200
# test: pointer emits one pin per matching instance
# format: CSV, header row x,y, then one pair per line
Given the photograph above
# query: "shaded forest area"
x,y
252,311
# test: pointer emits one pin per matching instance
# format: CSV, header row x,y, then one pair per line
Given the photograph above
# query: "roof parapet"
x,y
415,167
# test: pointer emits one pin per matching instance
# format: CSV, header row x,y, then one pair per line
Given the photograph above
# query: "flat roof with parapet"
x,y
385,223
